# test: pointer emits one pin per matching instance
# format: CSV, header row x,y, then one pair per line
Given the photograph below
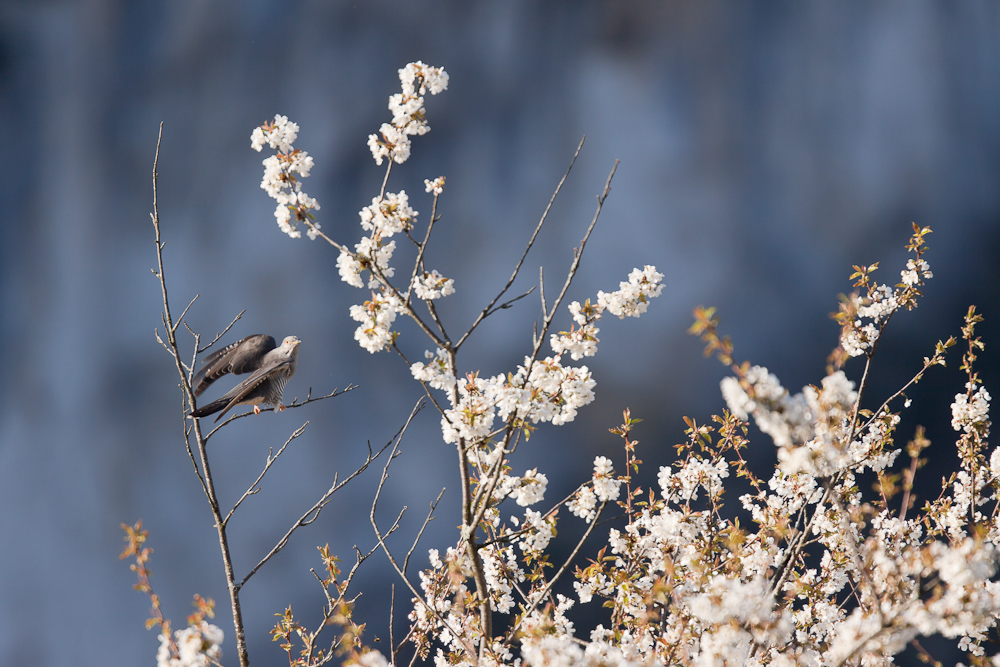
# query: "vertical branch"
x,y
206,472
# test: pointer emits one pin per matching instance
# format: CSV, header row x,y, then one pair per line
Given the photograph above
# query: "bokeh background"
x,y
764,147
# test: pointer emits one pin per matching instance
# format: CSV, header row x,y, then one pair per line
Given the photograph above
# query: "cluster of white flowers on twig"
x,y
864,317
630,300
282,174
408,113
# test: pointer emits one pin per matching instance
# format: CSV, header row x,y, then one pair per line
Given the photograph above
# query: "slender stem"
x,y
558,575
513,276
380,536
419,262
208,485
312,513
271,458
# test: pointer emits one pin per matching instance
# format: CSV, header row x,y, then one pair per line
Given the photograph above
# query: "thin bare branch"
x,y
557,576
223,333
381,537
180,318
312,513
208,485
392,612
437,320
541,291
577,256
509,303
427,520
294,404
419,261
271,458
489,308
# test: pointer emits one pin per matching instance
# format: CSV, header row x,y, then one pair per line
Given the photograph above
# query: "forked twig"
x,y
427,520
312,513
557,576
294,404
271,458
224,332
381,536
513,276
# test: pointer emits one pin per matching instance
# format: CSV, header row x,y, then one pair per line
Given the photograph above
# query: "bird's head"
x,y
290,342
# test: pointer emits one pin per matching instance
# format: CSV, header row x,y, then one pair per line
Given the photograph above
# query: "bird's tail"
x,y
210,409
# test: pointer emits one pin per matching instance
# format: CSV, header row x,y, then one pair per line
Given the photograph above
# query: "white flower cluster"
x,y
432,285
549,392
695,475
878,306
529,489
408,113
630,300
971,411
388,215
444,580
916,271
279,135
730,615
376,316
369,252
537,532
807,427
437,372
282,174
550,641
471,418
859,337
584,503
604,487
501,571
436,186
197,646
784,417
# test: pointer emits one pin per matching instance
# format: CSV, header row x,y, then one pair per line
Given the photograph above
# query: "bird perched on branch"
x,y
269,366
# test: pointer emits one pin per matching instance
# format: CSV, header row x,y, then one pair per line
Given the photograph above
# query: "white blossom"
x,y
376,316
437,372
388,215
197,646
606,486
279,135
916,272
584,503
530,489
971,411
632,297
283,174
436,186
432,285
579,342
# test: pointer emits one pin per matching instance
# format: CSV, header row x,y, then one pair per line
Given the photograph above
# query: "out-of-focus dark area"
x,y
764,147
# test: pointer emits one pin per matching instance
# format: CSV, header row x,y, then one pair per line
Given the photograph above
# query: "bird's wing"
x,y
259,377
240,357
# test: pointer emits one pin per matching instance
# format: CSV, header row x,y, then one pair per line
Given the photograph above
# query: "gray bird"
x,y
269,366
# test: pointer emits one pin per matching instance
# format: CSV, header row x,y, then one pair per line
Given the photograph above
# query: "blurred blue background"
x,y
765,148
